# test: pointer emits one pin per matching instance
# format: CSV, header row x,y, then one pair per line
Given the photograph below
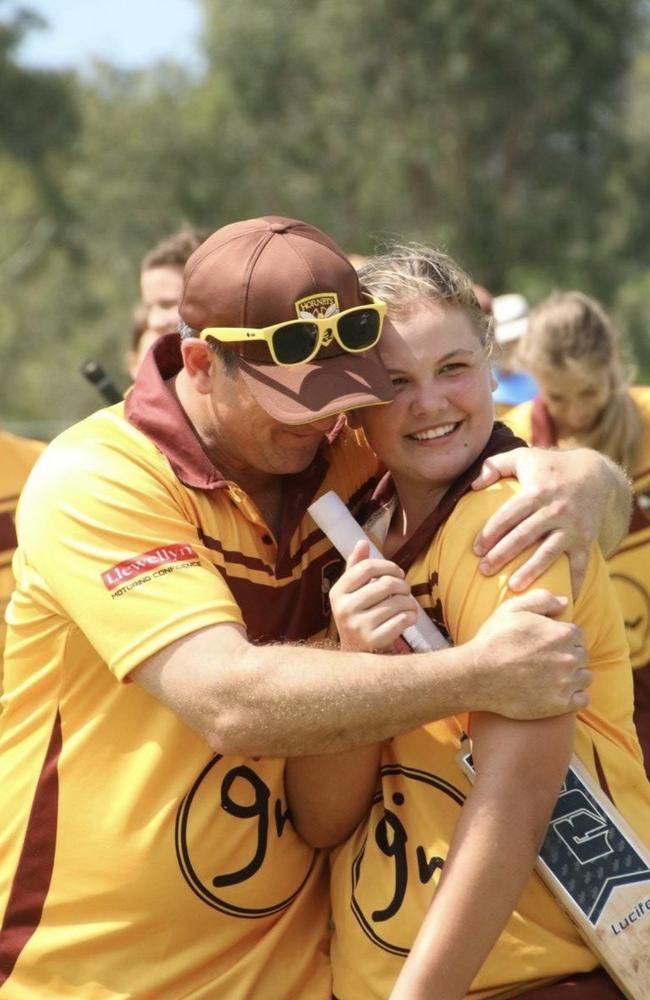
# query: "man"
x,y
164,551
161,287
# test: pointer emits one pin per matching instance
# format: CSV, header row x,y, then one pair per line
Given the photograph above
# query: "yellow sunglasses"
x,y
297,341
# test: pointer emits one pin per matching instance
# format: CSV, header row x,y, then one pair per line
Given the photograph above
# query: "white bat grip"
x,y
336,522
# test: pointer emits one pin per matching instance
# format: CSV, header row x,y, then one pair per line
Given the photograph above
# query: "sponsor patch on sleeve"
x,y
129,569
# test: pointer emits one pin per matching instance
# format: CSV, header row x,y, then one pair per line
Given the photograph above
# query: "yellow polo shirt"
x,y
134,861
384,876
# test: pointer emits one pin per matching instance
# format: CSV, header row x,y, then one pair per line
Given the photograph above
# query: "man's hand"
x,y
371,602
530,666
569,500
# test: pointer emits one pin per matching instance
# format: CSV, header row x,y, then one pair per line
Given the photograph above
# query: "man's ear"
x,y
198,358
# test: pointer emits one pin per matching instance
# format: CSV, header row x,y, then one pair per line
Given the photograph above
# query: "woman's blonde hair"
x,y
570,331
404,274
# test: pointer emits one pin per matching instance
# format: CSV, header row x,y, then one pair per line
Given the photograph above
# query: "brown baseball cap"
x,y
270,270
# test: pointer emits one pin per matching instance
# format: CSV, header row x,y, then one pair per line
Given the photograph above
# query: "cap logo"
x,y
318,306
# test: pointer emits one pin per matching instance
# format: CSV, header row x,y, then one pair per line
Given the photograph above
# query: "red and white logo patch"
x,y
130,568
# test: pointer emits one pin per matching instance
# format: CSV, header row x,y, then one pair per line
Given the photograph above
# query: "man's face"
x,y
244,438
161,289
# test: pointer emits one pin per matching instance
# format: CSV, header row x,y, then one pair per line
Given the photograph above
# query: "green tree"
x,y
516,135
38,123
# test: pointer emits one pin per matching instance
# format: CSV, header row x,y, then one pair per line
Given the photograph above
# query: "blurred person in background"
x,y
515,384
585,398
161,287
140,339
18,456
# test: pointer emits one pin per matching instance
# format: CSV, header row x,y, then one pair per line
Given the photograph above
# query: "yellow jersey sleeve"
x,y
120,548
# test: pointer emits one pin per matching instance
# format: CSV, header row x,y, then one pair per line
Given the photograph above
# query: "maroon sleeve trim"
x,y
34,872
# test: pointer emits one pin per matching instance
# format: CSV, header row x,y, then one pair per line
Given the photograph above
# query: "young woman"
x,y
419,874
573,350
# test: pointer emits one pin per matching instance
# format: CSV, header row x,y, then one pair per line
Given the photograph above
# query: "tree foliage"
x,y
516,135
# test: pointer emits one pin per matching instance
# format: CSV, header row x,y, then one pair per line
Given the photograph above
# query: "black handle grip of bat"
x,y
99,377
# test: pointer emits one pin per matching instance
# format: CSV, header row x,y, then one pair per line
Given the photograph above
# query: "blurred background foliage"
x,y
516,135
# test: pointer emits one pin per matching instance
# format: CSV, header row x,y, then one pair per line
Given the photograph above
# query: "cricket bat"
x,y
591,859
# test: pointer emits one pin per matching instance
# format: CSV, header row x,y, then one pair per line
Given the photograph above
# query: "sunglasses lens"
x,y
359,330
295,342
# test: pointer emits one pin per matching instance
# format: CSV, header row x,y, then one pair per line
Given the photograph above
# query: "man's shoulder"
x,y
101,446
103,430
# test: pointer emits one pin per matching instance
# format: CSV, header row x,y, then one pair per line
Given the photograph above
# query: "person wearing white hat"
x,y
510,315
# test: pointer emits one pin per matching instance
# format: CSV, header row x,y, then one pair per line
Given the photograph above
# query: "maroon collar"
x,y
153,409
501,439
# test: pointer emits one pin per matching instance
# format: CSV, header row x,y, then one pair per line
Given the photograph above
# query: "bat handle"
x,y
337,523
96,374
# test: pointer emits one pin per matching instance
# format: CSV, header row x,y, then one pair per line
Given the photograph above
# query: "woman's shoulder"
x,y
472,511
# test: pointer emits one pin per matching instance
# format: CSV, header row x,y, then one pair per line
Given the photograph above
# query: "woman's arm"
x,y
519,771
568,500
329,795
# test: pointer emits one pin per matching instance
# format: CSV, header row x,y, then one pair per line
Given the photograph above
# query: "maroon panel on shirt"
x,y
295,611
8,538
34,872
234,557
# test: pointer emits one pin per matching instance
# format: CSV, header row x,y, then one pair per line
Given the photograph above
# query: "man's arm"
x,y
292,700
569,500
371,608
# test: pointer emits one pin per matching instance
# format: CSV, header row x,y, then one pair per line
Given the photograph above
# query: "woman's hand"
x,y
371,602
